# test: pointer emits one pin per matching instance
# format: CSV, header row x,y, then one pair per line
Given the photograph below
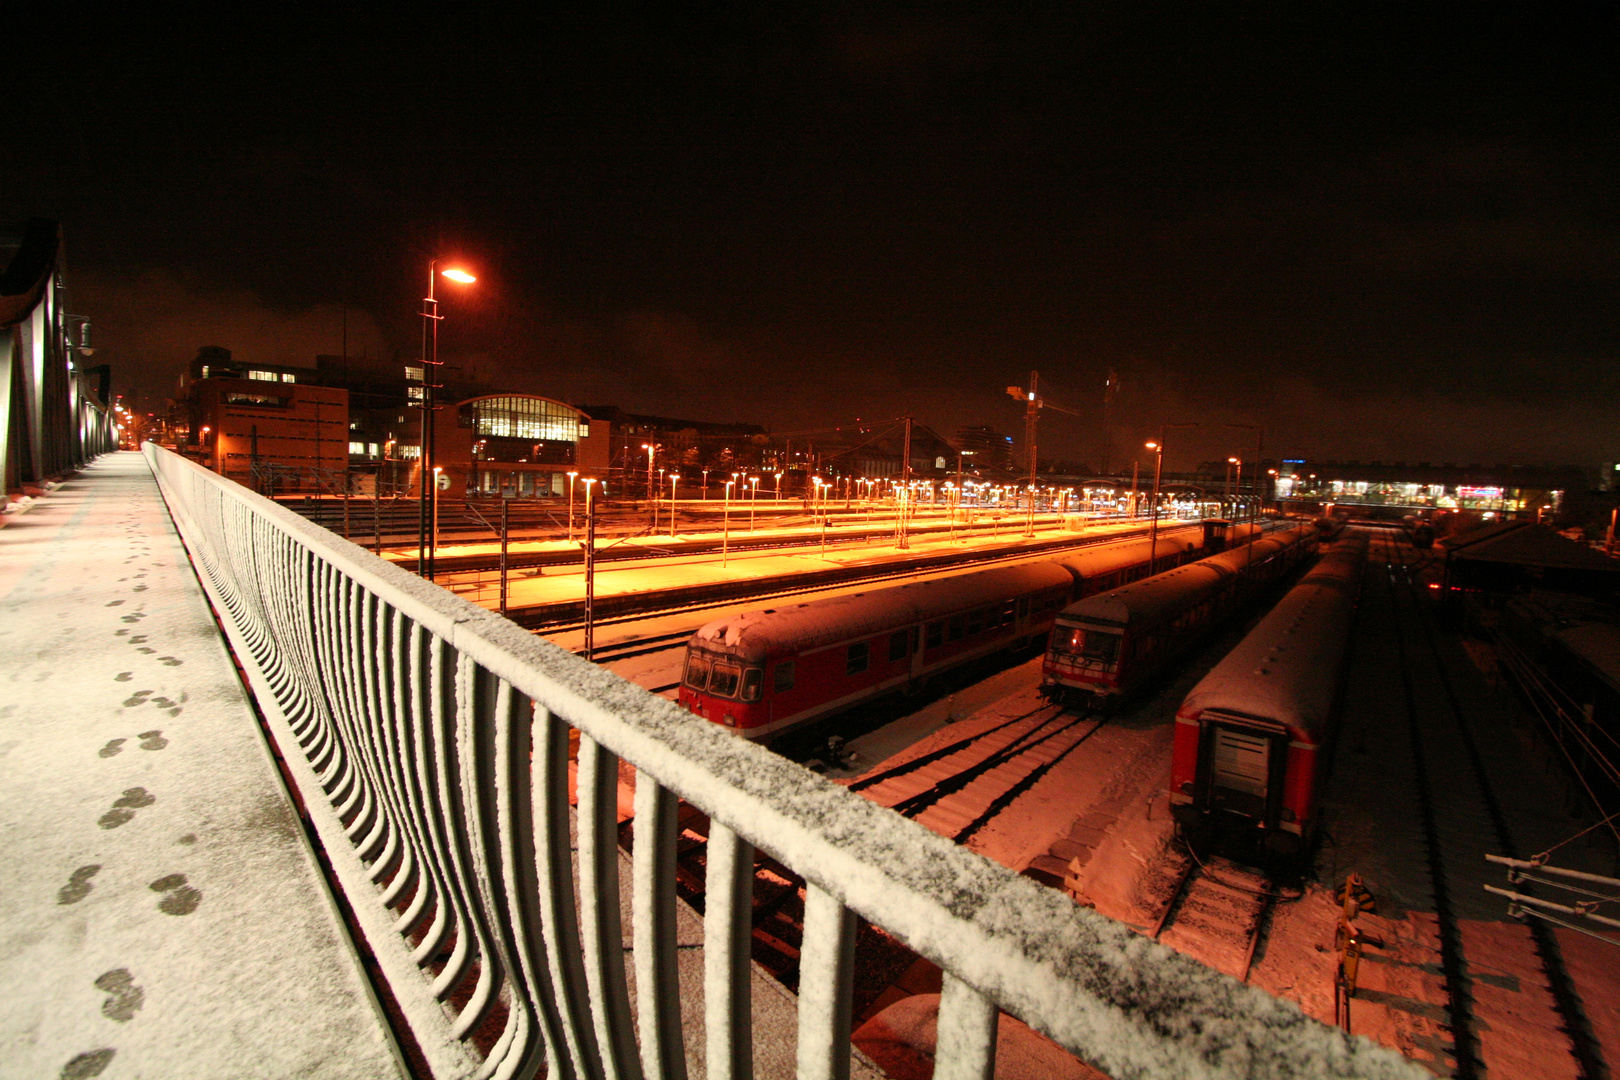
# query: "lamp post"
x,y
1158,475
572,475
753,497
1259,445
429,509
674,478
433,539
779,491
705,485
725,523
590,570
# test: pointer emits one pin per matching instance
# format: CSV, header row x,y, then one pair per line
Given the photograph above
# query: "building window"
x,y
358,448
262,376
261,400
287,376
414,373
522,418
410,453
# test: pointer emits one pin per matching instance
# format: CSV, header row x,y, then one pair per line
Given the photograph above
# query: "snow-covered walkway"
x,y
161,913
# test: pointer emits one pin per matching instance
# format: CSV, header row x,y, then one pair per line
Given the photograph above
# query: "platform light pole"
x,y
590,570
426,545
1158,475
674,479
725,523
1259,445
572,476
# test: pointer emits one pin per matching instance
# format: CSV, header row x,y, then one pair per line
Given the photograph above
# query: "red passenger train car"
x,y
1249,737
766,672
1109,644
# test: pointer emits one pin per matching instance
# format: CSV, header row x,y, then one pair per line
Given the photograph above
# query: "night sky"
x,y
1381,233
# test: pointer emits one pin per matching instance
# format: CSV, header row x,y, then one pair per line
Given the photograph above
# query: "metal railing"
x,y
431,741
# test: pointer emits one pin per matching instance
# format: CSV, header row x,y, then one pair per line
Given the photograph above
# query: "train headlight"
x,y
730,721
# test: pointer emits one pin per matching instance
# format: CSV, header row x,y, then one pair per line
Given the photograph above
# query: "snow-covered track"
x,y
1462,817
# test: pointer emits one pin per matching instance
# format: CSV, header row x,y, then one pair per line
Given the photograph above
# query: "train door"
x,y
1242,765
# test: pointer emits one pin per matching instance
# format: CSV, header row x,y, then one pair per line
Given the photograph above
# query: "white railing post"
x,y
728,937
658,984
965,1045
826,986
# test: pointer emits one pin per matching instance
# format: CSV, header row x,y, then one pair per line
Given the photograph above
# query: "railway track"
x,y
1217,912
958,789
1462,817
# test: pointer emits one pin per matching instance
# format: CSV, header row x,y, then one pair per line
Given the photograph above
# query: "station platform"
x,y
162,914
671,569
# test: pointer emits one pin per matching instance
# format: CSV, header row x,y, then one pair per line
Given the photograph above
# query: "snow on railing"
x,y
430,741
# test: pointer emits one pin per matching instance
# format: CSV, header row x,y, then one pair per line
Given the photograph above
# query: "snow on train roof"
x,y
754,635
1287,669
1151,598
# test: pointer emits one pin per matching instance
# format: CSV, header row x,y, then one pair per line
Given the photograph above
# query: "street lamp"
x,y
426,545
572,475
779,490
1158,474
674,478
753,497
725,522
1259,446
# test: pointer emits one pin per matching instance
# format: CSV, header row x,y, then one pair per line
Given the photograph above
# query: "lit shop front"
x,y
516,445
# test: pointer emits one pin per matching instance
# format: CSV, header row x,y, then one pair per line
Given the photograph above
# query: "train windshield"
x,y
723,678
697,671
1098,645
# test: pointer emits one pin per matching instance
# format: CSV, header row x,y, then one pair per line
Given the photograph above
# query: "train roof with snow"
x,y
1151,599
1286,671
757,635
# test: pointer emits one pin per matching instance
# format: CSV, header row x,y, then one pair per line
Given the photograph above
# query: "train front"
x,y
724,677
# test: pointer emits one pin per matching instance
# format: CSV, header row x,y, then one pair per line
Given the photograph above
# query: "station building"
x,y
517,446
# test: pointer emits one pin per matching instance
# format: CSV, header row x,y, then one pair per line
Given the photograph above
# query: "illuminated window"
x,y
415,394
263,376
288,377
410,452
358,448
413,373
523,418
371,449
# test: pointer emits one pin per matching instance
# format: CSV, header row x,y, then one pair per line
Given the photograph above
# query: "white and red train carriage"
x,y
1107,645
766,672
1249,739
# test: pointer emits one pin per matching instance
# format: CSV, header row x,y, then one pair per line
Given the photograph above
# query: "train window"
x,y
857,659
936,634
753,678
723,682
1098,645
1006,618
783,681
697,671
956,628
898,642
1023,606
975,622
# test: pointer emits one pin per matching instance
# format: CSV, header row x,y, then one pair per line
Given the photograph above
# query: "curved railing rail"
x,y
430,740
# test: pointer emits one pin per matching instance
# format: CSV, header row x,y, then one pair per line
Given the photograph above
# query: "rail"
x,y
431,740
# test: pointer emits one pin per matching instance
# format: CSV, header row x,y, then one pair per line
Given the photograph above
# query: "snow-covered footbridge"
x,y
436,745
